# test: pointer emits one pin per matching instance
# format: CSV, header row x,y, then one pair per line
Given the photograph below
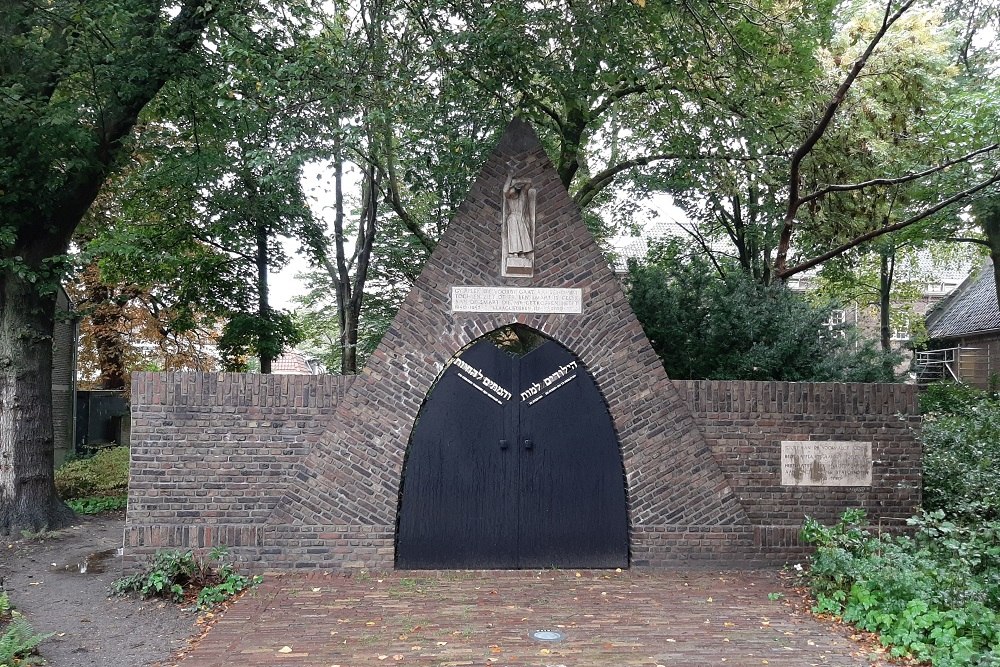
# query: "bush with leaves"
x,y
714,322
934,596
180,575
98,504
103,474
961,439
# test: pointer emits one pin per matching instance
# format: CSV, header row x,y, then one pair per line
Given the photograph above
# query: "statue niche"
x,y
518,244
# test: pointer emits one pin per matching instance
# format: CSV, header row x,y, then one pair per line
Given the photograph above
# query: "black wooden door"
x,y
572,489
513,463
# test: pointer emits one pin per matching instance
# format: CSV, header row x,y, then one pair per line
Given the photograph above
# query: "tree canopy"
x,y
170,139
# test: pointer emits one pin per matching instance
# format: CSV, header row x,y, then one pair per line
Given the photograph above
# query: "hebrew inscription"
x,y
826,463
516,300
539,390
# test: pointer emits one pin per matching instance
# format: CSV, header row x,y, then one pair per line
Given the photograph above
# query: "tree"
x,y
214,185
902,139
975,161
706,324
74,79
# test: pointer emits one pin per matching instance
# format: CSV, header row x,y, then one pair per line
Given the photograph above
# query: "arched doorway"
x,y
513,462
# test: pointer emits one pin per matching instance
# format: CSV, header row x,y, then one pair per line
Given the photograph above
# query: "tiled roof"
x,y
291,363
971,308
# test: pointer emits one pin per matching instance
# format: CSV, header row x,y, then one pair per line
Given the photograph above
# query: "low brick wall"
x,y
744,424
214,454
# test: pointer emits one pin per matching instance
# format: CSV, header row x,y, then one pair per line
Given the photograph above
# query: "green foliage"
x,y
17,639
704,325
98,504
104,473
951,398
179,575
961,438
253,335
934,597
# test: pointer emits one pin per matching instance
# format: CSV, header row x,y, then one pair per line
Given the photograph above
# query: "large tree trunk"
x,y
263,306
886,266
28,499
988,216
53,194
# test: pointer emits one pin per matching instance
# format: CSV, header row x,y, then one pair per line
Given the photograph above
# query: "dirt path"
x,y
60,581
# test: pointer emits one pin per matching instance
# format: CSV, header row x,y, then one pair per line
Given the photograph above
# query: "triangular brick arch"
x,y
344,496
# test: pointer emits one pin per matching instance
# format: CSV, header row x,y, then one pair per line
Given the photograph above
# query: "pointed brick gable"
x,y
345,492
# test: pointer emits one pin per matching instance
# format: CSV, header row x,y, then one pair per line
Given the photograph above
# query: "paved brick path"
x,y
485,618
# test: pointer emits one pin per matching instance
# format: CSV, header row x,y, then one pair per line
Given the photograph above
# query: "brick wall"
x,y
745,422
213,453
63,360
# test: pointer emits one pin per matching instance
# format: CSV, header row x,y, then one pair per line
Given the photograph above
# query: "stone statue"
x,y
518,226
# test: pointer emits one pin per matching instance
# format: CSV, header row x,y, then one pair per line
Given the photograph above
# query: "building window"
x,y
837,319
900,330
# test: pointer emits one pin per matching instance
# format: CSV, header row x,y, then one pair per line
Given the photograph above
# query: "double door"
x,y
513,463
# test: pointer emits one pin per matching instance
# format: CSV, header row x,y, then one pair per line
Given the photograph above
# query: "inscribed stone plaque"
x,y
826,463
473,299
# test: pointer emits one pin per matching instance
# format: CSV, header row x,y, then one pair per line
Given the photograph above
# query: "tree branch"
x,y
601,180
794,172
898,180
964,239
875,233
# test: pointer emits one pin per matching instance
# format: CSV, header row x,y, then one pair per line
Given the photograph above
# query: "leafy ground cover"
x,y
18,640
207,581
933,595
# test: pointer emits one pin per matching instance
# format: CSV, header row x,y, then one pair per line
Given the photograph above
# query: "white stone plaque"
x,y
826,463
474,299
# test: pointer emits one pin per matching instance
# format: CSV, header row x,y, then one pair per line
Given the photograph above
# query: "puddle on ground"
x,y
94,563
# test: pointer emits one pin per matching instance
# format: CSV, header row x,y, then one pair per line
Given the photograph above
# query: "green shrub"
x,y
934,597
179,575
98,504
951,398
961,439
703,324
104,473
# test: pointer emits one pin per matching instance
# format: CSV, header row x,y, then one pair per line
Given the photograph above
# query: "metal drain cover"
x,y
547,635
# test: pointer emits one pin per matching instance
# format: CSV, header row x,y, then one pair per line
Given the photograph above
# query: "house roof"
x,y
292,362
972,308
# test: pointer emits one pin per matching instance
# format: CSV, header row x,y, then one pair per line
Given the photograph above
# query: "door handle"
x,y
528,444
503,444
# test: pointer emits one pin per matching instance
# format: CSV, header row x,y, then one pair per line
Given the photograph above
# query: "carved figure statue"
x,y
519,215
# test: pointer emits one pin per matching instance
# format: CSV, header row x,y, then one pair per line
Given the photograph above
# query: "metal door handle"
x,y
503,444
528,444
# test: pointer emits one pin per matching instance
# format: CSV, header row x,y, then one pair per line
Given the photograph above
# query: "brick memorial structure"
x,y
311,472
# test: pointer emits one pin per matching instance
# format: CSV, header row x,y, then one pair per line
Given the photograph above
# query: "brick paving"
x,y
607,618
